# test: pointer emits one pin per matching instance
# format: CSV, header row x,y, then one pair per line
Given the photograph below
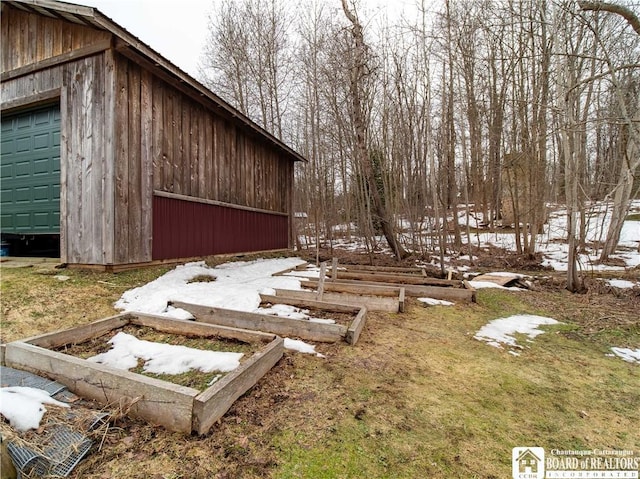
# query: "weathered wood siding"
x,y
127,130
168,142
28,38
86,190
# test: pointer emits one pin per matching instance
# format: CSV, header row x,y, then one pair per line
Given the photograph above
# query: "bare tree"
x,y
359,71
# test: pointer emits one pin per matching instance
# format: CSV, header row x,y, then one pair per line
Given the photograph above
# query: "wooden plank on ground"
x,y
186,327
309,301
261,322
356,327
355,287
416,291
79,334
157,401
211,405
398,278
386,269
373,303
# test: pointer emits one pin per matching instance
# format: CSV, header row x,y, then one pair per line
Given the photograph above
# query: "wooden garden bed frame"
x,y
307,330
393,302
178,408
463,292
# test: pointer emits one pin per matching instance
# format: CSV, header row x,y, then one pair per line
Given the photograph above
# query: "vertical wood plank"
x,y
134,205
122,162
64,172
159,157
96,165
185,159
109,169
194,146
147,112
168,136
177,145
203,158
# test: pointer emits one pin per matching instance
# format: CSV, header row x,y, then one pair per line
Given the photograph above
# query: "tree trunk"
x,y
357,75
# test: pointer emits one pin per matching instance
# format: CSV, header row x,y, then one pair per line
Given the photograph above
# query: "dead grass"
x,y
416,397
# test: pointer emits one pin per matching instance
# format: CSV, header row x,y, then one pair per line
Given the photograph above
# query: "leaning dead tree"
x,y
621,10
363,155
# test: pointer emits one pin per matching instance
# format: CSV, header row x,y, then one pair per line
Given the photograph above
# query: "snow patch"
x,y
301,347
435,302
164,358
621,283
489,284
500,331
237,286
626,354
24,407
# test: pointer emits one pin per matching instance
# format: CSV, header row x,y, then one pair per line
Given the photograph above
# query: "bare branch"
x,y
623,11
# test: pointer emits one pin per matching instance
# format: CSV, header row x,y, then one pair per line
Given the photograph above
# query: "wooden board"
x,y
398,278
356,327
79,334
372,303
159,402
215,401
355,287
175,407
184,327
386,269
310,302
308,330
452,294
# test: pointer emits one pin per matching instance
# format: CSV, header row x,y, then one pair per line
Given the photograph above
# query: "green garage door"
x,y
30,172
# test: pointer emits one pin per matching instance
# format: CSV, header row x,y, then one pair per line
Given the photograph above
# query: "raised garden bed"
x,y
393,302
174,406
304,329
455,291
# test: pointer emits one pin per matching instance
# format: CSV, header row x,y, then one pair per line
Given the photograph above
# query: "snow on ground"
x,y
236,286
24,407
489,284
301,347
435,302
163,358
622,283
552,243
501,331
629,355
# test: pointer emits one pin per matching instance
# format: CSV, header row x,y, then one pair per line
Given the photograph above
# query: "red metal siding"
x,y
185,229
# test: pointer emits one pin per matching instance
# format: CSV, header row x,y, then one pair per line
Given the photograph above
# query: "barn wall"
x,y
29,38
127,131
184,229
86,199
168,142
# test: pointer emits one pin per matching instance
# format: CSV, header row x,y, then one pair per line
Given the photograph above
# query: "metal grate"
x,y
15,377
64,451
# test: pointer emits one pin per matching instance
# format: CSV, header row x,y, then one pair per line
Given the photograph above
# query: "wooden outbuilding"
x,y
122,154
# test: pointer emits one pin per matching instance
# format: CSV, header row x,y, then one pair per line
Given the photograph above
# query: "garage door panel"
x,y
42,166
31,172
23,145
23,169
6,171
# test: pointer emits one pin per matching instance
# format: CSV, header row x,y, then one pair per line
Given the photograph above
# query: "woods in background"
x,y
480,108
